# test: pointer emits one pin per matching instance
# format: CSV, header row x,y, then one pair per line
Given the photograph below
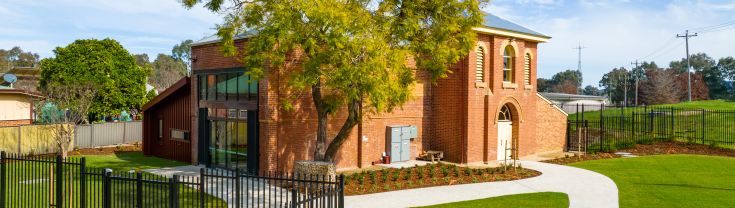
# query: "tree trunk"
x,y
321,133
353,109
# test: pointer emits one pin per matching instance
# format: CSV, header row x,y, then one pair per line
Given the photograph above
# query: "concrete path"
x,y
586,189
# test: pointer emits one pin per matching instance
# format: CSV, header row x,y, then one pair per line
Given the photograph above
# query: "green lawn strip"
x,y
670,180
30,186
531,200
129,161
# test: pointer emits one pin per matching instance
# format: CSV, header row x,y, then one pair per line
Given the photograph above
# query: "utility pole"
x,y
579,56
637,77
686,37
625,86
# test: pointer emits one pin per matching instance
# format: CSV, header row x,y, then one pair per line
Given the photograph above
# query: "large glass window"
x,y
229,86
508,66
228,147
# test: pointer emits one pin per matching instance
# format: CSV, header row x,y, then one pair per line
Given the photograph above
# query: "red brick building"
x,y
487,109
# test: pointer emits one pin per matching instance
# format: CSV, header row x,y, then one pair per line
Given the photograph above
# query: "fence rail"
x,y
608,128
52,181
95,135
39,139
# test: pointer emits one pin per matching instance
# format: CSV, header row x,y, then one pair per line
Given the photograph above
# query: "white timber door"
x,y
505,134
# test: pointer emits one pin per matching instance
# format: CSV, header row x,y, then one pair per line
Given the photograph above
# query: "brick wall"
x,y
15,122
552,126
455,115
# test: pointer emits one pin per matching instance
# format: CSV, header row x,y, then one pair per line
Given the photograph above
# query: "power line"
x,y
712,27
668,43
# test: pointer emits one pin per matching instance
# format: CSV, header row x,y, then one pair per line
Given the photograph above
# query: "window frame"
x,y
480,64
508,64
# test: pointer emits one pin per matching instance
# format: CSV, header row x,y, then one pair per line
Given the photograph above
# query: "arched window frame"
x,y
508,64
480,64
505,114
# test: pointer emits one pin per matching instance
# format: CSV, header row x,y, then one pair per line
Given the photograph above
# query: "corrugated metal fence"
x,y
95,135
38,139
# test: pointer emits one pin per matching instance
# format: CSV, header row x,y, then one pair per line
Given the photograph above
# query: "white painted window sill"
x,y
508,85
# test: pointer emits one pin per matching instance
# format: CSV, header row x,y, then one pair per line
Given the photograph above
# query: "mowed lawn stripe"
x,y
670,180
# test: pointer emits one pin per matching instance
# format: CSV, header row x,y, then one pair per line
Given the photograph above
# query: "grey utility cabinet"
x,y
399,142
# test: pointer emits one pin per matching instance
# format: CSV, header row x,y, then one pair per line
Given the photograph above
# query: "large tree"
x,y
727,66
182,52
16,57
354,52
706,66
166,71
660,87
110,69
617,84
567,81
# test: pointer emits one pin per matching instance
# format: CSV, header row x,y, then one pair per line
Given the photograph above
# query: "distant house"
x,y
572,103
16,106
27,78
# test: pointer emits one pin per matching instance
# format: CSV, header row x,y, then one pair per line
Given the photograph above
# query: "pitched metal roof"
x,y
497,22
490,20
564,96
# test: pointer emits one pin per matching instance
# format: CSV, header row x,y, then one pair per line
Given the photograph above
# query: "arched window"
x,y
508,66
527,69
504,114
480,64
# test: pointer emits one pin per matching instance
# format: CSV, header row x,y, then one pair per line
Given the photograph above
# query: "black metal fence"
x,y
52,181
608,128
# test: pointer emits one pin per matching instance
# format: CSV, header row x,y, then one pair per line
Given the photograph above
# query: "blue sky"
x,y
616,32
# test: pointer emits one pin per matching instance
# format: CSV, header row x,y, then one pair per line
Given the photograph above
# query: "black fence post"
x,y
174,191
341,191
569,135
703,125
139,189
294,198
3,188
202,189
107,191
83,182
59,181
237,188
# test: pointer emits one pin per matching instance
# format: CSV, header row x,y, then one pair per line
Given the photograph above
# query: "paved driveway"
x,y
586,189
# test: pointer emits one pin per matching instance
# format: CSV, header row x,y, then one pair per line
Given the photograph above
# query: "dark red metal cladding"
x,y
172,108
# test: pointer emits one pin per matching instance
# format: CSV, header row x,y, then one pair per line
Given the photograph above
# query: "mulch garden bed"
x,y
439,174
661,148
107,150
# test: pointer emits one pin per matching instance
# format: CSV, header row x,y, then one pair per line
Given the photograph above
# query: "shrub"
x,y
384,175
432,172
419,173
371,174
395,175
468,171
445,171
455,169
360,179
407,175
627,144
475,180
714,144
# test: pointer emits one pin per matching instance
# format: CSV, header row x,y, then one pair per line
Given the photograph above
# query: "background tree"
x,y
658,88
568,81
543,85
617,83
713,77
72,102
727,66
591,90
105,64
182,52
16,57
354,53
142,60
699,87
166,71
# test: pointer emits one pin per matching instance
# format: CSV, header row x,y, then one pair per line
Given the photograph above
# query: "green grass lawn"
x,y
129,161
532,200
670,180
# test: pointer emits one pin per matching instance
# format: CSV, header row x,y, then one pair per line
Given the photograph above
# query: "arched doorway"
x,y
505,133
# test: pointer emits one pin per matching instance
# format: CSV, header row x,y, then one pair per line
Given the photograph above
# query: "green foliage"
x,y
352,51
625,144
372,177
445,171
120,83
